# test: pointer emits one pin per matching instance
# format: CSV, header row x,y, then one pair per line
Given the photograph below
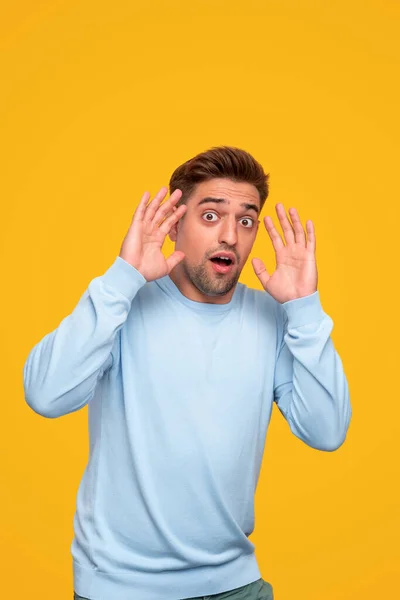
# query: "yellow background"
x,y
101,101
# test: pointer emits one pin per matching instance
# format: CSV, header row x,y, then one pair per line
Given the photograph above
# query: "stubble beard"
x,y
210,285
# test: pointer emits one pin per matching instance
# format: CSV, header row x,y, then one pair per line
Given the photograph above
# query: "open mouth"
x,y
222,265
221,261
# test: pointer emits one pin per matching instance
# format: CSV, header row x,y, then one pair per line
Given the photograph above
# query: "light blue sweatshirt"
x,y
179,397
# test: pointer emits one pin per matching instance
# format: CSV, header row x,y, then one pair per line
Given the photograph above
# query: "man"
x,y
179,365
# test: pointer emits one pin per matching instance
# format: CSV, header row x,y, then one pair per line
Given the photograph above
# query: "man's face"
x,y
221,217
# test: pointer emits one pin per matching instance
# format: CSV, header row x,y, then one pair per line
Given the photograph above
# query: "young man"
x,y
179,365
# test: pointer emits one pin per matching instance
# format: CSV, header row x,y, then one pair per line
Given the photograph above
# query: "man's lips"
x,y
225,264
219,268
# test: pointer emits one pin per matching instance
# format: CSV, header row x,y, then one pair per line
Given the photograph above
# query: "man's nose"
x,y
228,232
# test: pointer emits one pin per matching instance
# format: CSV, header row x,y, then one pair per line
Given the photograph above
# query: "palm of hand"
x,y
296,274
152,242
142,246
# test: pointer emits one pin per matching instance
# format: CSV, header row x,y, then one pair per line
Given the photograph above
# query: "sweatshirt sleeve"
x,y
61,372
310,386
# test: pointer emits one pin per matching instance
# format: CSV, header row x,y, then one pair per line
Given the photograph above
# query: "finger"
x,y
285,223
299,233
172,219
175,258
312,242
154,204
276,239
166,208
141,209
260,271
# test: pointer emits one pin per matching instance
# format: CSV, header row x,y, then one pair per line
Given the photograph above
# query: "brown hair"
x,y
220,162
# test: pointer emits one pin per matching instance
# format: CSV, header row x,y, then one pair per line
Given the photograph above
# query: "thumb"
x,y
175,258
261,271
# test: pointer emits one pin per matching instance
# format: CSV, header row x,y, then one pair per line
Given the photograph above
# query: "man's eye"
x,y
249,222
207,215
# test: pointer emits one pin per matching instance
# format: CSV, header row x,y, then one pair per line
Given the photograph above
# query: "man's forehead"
x,y
229,190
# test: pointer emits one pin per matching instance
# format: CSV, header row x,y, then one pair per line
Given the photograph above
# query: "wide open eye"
x,y
207,214
248,221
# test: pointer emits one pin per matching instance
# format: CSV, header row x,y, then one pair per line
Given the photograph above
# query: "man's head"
x,y
224,189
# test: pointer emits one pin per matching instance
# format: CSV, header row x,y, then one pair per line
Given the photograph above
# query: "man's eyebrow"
x,y
246,205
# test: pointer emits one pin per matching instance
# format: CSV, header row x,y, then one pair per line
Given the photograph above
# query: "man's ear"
x,y
173,232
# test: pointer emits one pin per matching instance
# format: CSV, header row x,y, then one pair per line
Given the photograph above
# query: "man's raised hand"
x,y
142,244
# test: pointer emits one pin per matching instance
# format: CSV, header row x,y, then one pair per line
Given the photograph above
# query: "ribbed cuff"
x,y
302,311
124,278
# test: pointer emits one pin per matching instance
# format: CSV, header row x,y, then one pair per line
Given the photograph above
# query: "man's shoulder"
x,y
260,301
260,296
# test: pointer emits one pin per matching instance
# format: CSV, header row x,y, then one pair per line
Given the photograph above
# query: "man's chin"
x,y
208,282
218,288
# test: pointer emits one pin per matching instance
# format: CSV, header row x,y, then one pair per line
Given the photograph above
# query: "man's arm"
x,y
62,370
310,386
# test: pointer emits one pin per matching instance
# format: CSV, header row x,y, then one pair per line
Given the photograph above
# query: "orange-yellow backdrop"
x,y
101,101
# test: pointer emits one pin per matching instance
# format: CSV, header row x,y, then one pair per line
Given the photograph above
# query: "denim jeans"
x,y
257,590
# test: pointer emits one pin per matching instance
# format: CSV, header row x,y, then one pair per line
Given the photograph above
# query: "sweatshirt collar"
x,y
170,288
